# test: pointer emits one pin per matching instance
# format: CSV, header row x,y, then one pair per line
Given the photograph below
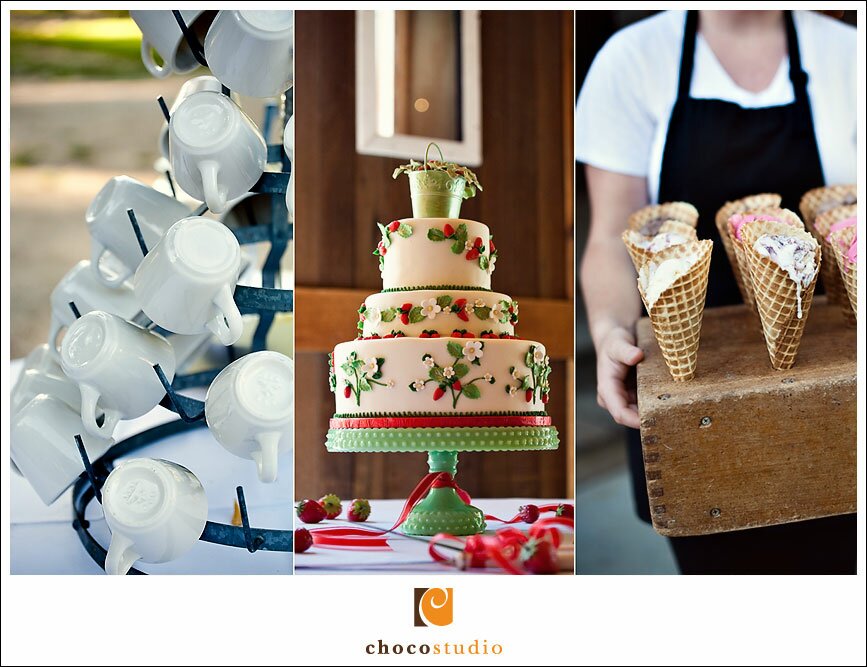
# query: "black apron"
x,y
717,151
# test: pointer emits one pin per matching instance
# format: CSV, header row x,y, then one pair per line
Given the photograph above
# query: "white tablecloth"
x,y
43,541
408,555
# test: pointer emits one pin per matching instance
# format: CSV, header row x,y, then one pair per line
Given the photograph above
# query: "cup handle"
x,y
89,407
215,196
227,325
148,59
53,333
121,555
97,250
266,456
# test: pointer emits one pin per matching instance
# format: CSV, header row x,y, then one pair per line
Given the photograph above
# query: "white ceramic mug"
x,y
42,374
190,87
81,286
44,449
110,228
161,33
216,150
187,281
247,209
249,409
156,511
289,147
112,361
251,51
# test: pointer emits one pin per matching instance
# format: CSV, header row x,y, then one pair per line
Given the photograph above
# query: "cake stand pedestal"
x,y
443,510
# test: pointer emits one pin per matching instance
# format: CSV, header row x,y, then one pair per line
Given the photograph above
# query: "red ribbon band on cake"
x,y
439,422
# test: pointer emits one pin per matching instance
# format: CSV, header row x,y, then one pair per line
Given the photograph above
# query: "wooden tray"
x,y
742,445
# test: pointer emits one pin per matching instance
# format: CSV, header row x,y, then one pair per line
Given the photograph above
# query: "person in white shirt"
x,y
707,107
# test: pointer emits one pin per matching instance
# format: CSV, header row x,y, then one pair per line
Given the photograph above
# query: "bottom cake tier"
x,y
442,439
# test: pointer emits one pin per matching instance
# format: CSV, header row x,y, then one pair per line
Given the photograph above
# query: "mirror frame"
x,y
369,142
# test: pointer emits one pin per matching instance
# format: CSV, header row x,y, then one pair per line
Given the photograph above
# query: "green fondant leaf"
x,y
482,312
346,368
461,370
415,315
387,314
404,230
472,391
455,349
461,233
377,375
444,301
526,383
380,361
436,374
483,262
528,360
363,385
458,247
435,234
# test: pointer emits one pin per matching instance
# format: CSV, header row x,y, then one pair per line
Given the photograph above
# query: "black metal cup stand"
x,y
263,301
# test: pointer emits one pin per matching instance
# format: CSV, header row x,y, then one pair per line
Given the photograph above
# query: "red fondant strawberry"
x,y
528,395
472,253
359,510
381,248
456,385
404,318
565,510
478,242
303,540
448,231
310,511
468,334
332,505
424,334
388,336
457,333
347,391
529,513
439,392
394,225
539,557
434,334
372,336
491,243
545,398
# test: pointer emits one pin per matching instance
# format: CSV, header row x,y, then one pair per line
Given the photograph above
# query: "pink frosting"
x,y
737,221
852,253
843,224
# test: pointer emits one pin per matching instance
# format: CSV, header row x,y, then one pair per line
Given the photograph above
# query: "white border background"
x,y
329,620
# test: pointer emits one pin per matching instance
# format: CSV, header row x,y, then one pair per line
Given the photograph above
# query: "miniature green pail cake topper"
x,y
437,187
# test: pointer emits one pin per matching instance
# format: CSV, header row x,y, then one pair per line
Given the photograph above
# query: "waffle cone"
x,y
640,255
730,208
840,242
677,313
819,200
831,277
777,295
674,210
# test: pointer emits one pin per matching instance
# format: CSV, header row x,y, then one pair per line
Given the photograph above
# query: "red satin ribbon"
x,y
438,422
552,507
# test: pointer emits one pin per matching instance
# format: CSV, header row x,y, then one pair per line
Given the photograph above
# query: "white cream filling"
x,y
656,277
795,256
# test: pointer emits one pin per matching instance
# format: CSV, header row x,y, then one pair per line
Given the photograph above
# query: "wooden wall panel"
x,y
340,196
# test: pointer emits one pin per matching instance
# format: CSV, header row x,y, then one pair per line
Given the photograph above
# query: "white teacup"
x,y
289,147
111,230
187,281
253,207
112,361
251,51
156,511
194,85
249,409
43,375
161,33
216,150
43,445
81,286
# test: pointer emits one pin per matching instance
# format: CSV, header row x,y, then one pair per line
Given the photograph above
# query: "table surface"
x,y
408,555
43,541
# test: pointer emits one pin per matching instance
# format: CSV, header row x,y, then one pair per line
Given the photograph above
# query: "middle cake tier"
x,y
435,313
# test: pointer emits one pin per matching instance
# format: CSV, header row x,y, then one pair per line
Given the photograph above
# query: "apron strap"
x,y
797,75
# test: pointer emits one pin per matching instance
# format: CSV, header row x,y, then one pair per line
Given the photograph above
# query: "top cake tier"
x,y
433,253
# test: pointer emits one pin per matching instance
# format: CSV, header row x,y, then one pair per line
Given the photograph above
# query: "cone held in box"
x,y
830,271
844,244
673,286
649,220
641,247
784,266
437,188
726,211
821,200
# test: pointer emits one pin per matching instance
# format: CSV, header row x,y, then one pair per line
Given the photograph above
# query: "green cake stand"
x,y
443,510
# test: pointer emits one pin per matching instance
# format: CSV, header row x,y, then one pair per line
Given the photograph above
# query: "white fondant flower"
x,y
473,350
370,366
488,377
512,390
468,245
470,308
547,360
418,385
492,260
479,303
430,308
373,316
539,354
390,384
497,311
448,372
428,362
515,374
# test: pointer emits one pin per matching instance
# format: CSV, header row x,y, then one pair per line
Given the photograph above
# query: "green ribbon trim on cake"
x,y
451,439
460,288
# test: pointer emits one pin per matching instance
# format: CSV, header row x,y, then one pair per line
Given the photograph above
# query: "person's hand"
x,y
616,354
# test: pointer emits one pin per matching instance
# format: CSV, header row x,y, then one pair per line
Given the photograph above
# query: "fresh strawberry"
x,y
478,242
468,334
456,385
448,231
439,392
528,395
567,511
347,391
539,557
545,398
303,540
472,253
310,511
394,226
359,510
332,505
529,513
